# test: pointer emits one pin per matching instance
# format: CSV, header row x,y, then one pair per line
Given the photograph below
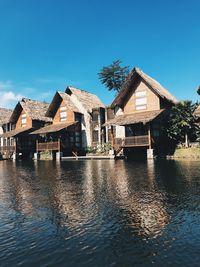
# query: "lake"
x,y
99,213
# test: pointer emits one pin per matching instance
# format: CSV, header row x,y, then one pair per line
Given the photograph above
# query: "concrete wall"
x,y
86,122
1,139
119,130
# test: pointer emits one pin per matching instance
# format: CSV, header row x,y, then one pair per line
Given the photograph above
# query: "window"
x,y
63,114
141,107
141,94
78,117
140,100
78,139
23,120
95,116
95,136
62,108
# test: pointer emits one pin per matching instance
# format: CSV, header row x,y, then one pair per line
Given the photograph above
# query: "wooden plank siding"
x,y
19,121
70,114
153,101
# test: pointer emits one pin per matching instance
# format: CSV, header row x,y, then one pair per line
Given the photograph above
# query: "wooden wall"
x,y
153,101
19,121
70,114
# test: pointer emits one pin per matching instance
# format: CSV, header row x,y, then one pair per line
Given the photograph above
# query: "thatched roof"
x,y
55,103
16,132
89,101
133,79
141,117
197,111
5,115
54,127
36,110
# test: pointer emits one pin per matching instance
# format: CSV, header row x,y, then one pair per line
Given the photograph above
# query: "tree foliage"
x,y
114,75
198,90
181,123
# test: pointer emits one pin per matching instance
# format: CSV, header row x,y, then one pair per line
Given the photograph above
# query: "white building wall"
x,y
86,122
120,130
1,139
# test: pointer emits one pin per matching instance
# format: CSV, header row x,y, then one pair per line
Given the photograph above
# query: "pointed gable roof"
x,y
88,100
135,76
55,103
5,115
36,110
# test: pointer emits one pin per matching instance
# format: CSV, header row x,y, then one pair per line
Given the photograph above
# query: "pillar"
x,y
14,156
36,156
59,155
149,136
150,153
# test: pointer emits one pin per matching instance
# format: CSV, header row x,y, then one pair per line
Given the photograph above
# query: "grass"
x,y
191,152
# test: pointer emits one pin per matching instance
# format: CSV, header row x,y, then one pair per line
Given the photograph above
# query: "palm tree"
x,y
181,124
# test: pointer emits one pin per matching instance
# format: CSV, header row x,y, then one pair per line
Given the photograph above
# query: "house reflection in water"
x,y
141,202
89,197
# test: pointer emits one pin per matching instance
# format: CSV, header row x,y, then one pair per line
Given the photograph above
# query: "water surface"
x,y
99,213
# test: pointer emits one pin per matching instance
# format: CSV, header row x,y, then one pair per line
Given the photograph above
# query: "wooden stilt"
x,y
112,137
149,135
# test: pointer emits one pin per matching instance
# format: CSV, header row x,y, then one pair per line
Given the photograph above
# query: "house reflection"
x,y
87,195
80,199
141,202
20,189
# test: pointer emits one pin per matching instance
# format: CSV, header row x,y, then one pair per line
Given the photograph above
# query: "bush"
x,y
99,149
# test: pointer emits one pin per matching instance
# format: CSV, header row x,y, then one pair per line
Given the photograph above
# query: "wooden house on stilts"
x,y
27,116
139,111
6,144
72,131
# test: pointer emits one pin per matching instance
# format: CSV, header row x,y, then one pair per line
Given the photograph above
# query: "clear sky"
x,y
47,45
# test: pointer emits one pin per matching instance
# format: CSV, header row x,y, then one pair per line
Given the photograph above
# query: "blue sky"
x,y
47,45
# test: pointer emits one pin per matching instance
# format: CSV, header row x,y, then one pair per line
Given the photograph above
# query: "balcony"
x,y
48,146
7,151
132,141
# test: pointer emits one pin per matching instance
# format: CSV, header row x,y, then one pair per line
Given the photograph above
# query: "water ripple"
x,y
99,213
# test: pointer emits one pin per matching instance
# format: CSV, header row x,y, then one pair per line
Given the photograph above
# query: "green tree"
x,y
198,90
114,75
181,124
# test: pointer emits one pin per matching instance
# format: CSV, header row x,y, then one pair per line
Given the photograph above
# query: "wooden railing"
x,y
48,146
7,149
132,141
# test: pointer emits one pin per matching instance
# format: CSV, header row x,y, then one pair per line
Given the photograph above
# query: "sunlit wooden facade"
x,y
77,119
27,116
64,134
139,111
7,146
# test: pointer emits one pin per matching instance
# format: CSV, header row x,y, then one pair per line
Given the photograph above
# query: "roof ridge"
x,y
33,100
154,80
6,109
152,83
82,90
